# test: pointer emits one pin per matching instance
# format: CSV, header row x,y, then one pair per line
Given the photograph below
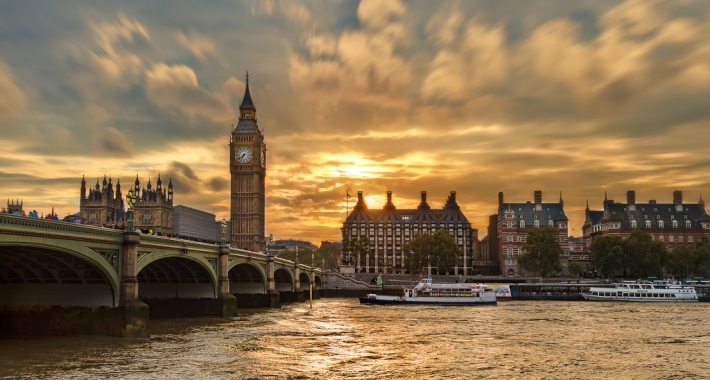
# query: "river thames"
x,y
340,339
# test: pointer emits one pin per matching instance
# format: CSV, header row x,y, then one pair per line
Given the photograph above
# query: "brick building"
x,y
390,228
513,222
674,223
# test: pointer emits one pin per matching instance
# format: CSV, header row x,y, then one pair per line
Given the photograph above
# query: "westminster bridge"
x,y
63,278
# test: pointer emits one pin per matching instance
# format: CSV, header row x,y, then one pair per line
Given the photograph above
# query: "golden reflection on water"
x,y
339,338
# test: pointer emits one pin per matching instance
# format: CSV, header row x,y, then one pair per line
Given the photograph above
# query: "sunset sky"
x,y
475,97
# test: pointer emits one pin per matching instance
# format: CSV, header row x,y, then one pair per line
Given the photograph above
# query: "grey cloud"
x,y
115,142
218,184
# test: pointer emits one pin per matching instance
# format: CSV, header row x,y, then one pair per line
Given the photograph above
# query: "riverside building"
x,y
674,223
513,222
390,228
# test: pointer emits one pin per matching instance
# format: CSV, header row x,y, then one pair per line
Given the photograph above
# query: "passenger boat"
x,y
428,293
502,292
658,291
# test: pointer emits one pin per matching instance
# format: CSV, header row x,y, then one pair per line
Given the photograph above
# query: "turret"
x,y
170,191
159,183
83,188
104,183
701,202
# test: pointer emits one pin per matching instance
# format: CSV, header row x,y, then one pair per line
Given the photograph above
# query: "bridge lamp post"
x,y
224,228
130,200
296,251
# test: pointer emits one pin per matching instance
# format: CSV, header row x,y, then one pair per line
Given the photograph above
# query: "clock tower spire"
x,y
247,166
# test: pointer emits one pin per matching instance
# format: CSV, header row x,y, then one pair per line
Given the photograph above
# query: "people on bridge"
x,y
33,214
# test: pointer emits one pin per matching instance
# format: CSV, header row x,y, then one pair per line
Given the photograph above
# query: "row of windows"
x,y
661,224
509,216
406,225
536,224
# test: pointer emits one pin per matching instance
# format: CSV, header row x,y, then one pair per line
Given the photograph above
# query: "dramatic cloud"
x,y
115,142
474,97
175,90
12,98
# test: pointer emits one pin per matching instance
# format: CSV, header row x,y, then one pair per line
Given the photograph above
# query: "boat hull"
x,y
636,299
437,301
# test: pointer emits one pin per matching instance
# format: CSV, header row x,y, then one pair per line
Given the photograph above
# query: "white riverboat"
x,y
658,291
428,293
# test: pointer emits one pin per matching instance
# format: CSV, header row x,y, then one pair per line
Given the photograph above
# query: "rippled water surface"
x,y
339,338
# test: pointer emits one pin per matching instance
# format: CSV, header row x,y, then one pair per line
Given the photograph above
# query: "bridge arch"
x,y
175,275
318,282
283,279
247,278
33,273
305,280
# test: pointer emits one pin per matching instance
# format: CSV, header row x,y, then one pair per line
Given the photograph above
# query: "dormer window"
x,y
658,217
522,223
536,224
633,224
675,223
660,224
687,224
648,224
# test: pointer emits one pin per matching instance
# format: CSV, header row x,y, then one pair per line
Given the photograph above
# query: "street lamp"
x,y
130,200
296,251
224,228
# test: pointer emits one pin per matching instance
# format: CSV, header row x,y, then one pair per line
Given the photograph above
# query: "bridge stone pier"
x,y
59,278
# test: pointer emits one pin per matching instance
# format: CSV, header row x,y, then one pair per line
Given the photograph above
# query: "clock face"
x,y
244,155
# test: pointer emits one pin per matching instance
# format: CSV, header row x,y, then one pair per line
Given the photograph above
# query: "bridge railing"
x,y
27,225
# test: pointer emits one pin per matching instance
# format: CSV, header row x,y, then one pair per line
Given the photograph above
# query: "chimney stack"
x,y
423,205
500,199
389,197
453,197
631,200
538,200
359,196
678,200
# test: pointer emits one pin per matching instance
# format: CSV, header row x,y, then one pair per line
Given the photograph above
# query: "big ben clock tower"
x,y
247,164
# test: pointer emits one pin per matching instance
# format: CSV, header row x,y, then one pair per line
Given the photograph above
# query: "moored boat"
x,y
658,291
502,292
428,293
